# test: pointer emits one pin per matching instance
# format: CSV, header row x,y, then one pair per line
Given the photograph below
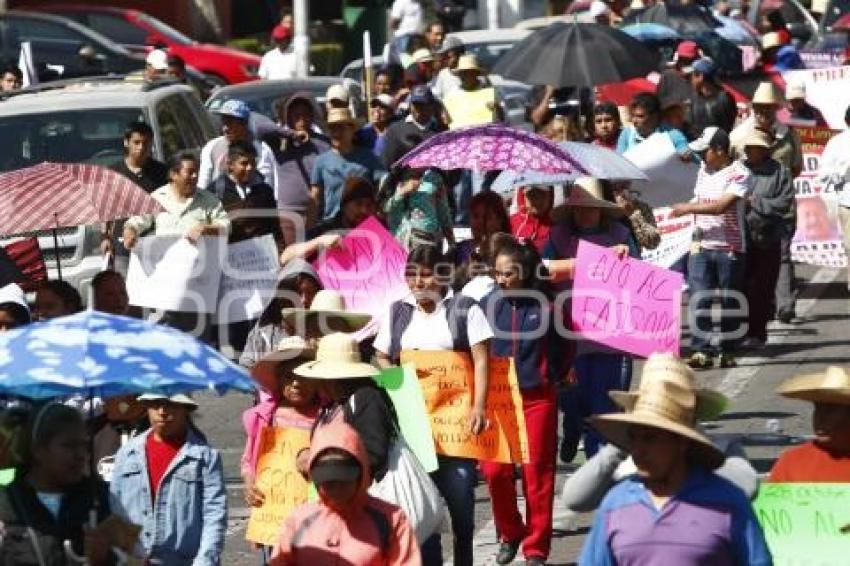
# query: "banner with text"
x,y
817,240
828,90
805,523
279,480
447,381
249,279
627,304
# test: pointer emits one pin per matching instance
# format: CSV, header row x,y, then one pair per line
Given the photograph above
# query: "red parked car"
x,y
139,32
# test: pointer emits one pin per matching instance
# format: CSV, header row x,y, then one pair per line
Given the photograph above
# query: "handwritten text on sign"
x,y
368,269
626,304
805,523
277,477
447,381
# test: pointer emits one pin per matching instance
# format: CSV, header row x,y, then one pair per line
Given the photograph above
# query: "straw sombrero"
x,y
831,386
338,357
586,192
767,94
329,306
665,400
709,403
264,371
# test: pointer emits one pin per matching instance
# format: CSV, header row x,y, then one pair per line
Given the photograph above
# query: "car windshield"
x,y
166,30
90,136
488,54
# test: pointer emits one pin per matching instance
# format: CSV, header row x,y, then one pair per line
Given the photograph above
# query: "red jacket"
x,y
317,533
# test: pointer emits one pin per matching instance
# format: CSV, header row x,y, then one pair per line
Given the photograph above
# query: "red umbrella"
x,y
49,196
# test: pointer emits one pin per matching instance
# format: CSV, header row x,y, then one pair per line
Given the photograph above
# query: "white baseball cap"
x,y
337,92
158,59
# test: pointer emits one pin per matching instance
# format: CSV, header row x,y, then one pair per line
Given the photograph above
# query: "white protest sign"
x,y
249,279
671,180
676,237
826,89
172,273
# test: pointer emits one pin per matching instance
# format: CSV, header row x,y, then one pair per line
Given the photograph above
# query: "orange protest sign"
x,y
279,480
447,382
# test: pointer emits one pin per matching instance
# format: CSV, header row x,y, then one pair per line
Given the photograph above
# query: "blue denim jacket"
x,y
187,522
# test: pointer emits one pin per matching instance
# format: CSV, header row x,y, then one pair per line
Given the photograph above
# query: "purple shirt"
x,y
708,523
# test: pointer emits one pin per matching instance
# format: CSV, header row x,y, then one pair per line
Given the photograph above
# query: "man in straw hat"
x,y
717,253
772,200
344,160
584,489
675,509
785,149
799,112
465,102
827,457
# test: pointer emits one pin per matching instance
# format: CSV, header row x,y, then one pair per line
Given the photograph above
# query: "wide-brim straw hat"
x,y
340,116
586,192
757,138
264,371
767,93
467,63
337,357
666,400
710,404
329,306
830,386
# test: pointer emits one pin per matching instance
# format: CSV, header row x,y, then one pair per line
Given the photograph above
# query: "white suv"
x,y
83,121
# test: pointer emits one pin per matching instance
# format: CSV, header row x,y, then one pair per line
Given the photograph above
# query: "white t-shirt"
x,y
278,65
431,331
409,14
445,83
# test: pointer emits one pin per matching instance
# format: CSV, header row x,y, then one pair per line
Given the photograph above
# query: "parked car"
x,y
139,32
63,48
83,121
260,96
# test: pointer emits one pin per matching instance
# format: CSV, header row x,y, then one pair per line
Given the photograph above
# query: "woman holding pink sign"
x,y
586,215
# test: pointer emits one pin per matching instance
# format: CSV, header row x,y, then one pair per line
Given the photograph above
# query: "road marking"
x,y
736,380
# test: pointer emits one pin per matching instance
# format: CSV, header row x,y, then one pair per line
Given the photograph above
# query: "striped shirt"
x,y
723,231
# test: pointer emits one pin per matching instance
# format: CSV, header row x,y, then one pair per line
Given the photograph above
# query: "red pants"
x,y
538,478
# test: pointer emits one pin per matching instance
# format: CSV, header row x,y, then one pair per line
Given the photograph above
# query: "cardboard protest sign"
x,y
278,478
676,237
671,180
249,279
368,269
626,304
172,273
805,523
403,388
470,108
447,385
817,240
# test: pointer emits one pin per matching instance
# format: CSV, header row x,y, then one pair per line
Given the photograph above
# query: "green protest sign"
x,y
403,388
806,524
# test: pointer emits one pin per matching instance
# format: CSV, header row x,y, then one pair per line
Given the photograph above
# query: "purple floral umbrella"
x,y
490,148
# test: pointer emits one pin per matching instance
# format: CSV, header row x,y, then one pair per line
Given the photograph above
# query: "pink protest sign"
x,y
368,269
627,304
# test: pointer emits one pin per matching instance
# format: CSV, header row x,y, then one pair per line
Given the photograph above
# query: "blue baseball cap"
x,y
705,67
421,94
234,108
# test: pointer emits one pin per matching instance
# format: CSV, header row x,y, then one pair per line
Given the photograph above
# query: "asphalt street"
x,y
764,422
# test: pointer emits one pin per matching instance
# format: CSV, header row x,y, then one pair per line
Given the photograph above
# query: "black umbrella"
x,y
688,20
576,55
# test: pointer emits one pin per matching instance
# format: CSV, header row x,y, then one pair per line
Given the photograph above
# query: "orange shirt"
x,y
810,463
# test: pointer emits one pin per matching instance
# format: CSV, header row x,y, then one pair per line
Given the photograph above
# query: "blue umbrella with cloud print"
x,y
102,355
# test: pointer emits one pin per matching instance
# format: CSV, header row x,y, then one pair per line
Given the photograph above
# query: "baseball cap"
x,y
333,467
687,50
384,100
281,32
705,67
235,109
713,137
177,399
450,43
158,59
421,94
337,92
